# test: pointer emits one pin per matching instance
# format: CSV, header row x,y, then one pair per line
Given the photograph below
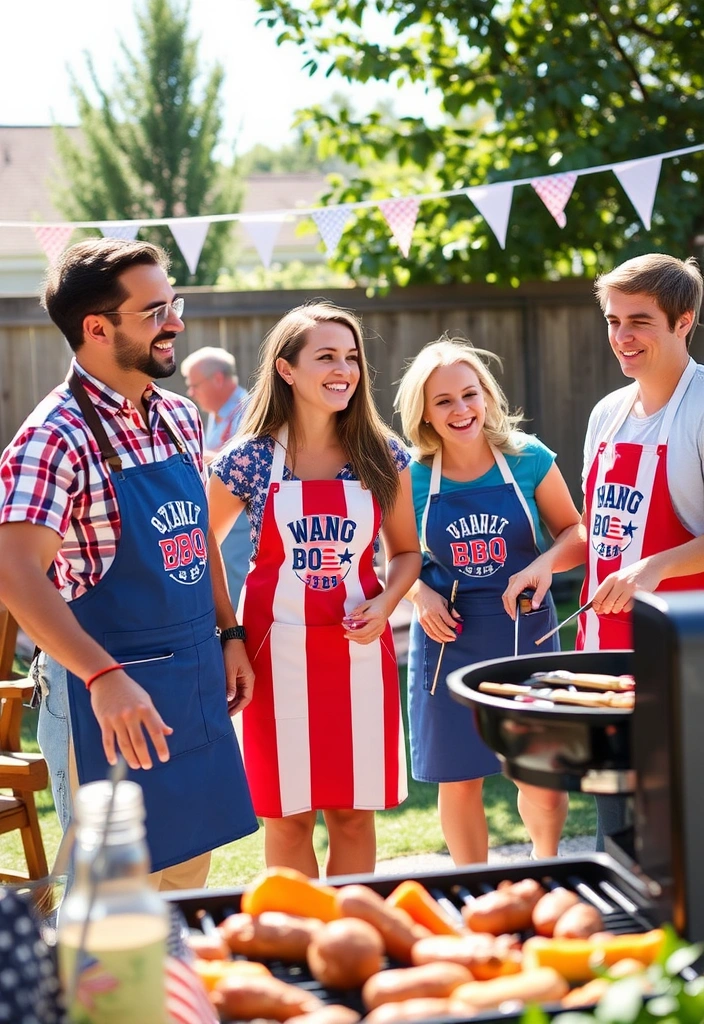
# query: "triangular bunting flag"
x,y
263,231
494,204
331,222
190,237
116,229
555,191
53,239
401,215
640,181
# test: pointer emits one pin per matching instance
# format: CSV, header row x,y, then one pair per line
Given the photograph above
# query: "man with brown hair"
x,y
644,450
105,561
643,471
644,460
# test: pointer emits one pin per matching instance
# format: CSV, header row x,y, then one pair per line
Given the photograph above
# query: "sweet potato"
x,y
270,936
344,953
397,928
486,956
247,998
435,981
543,985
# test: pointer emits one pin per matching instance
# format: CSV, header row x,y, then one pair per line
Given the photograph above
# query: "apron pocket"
x,y
289,666
171,680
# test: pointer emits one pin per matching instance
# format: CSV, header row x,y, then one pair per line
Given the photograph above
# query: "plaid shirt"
x,y
52,473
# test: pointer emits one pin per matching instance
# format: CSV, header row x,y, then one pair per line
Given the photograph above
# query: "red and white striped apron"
x,y
324,728
629,516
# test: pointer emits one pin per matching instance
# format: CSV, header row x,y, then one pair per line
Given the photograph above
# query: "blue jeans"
x,y
54,730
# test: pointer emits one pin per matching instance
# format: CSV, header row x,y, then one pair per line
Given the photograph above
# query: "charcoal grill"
x,y
621,898
655,753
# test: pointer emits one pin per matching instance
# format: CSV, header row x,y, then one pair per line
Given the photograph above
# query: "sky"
x,y
264,83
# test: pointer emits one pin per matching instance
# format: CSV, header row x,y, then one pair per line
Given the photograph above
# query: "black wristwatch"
x,y
232,633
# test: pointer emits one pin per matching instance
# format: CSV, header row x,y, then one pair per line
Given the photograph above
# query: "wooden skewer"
x,y
561,696
450,606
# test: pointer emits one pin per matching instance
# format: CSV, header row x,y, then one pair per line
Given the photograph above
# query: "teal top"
x,y
529,469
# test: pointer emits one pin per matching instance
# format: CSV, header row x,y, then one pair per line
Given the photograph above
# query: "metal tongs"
x,y
546,636
524,604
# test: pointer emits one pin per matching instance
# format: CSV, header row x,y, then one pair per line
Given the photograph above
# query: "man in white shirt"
x,y
644,459
643,473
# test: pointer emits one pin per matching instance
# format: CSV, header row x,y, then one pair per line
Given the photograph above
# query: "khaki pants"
x,y
189,874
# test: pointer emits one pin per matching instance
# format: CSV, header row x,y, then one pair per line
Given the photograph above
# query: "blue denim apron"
x,y
480,536
153,611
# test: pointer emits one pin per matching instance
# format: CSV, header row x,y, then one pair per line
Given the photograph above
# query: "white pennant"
x,y
190,238
331,222
494,204
116,229
263,231
640,181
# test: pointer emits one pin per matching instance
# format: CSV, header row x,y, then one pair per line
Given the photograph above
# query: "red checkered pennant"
x,y
401,216
331,222
555,192
53,239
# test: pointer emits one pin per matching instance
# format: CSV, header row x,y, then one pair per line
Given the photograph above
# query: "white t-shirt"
x,y
685,446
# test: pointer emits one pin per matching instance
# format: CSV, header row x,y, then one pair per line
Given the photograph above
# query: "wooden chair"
x,y
22,773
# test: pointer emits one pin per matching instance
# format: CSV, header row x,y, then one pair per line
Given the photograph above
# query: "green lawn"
x,y
409,829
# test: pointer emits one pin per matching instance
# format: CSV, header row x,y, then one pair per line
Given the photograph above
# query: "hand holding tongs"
x,y
524,604
450,607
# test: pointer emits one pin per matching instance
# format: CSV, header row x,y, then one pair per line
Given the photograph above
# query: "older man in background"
x,y
211,379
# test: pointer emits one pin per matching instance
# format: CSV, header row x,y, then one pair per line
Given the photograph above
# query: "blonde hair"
x,y
361,431
500,426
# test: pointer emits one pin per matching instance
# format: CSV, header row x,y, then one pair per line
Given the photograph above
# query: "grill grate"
x,y
598,880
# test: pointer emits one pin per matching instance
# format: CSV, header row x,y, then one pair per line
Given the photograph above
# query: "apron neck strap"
x,y
279,459
506,474
93,423
509,478
620,416
674,403
434,488
623,410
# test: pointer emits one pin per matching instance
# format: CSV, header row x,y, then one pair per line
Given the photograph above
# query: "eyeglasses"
x,y
160,314
194,385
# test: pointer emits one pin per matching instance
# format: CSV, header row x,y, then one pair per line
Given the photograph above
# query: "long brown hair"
x,y
362,433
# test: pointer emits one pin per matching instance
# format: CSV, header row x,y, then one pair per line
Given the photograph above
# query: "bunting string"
x,y
639,179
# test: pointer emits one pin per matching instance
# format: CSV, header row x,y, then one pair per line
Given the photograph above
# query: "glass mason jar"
x,y
112,927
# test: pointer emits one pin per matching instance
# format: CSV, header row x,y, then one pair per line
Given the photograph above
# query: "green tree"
x,y
525,88
147,148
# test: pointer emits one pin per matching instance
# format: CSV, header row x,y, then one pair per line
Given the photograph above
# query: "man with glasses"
x,y
107,562
211,379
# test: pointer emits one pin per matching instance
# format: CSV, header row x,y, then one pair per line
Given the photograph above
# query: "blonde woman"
x,y
480,489
319,475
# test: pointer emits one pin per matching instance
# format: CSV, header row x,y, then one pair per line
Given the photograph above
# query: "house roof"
x,y
28,161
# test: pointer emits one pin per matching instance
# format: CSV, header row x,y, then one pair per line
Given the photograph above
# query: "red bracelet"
x,y
101,672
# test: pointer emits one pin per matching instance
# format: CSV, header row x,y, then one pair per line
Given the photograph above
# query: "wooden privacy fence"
x,y
550,335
